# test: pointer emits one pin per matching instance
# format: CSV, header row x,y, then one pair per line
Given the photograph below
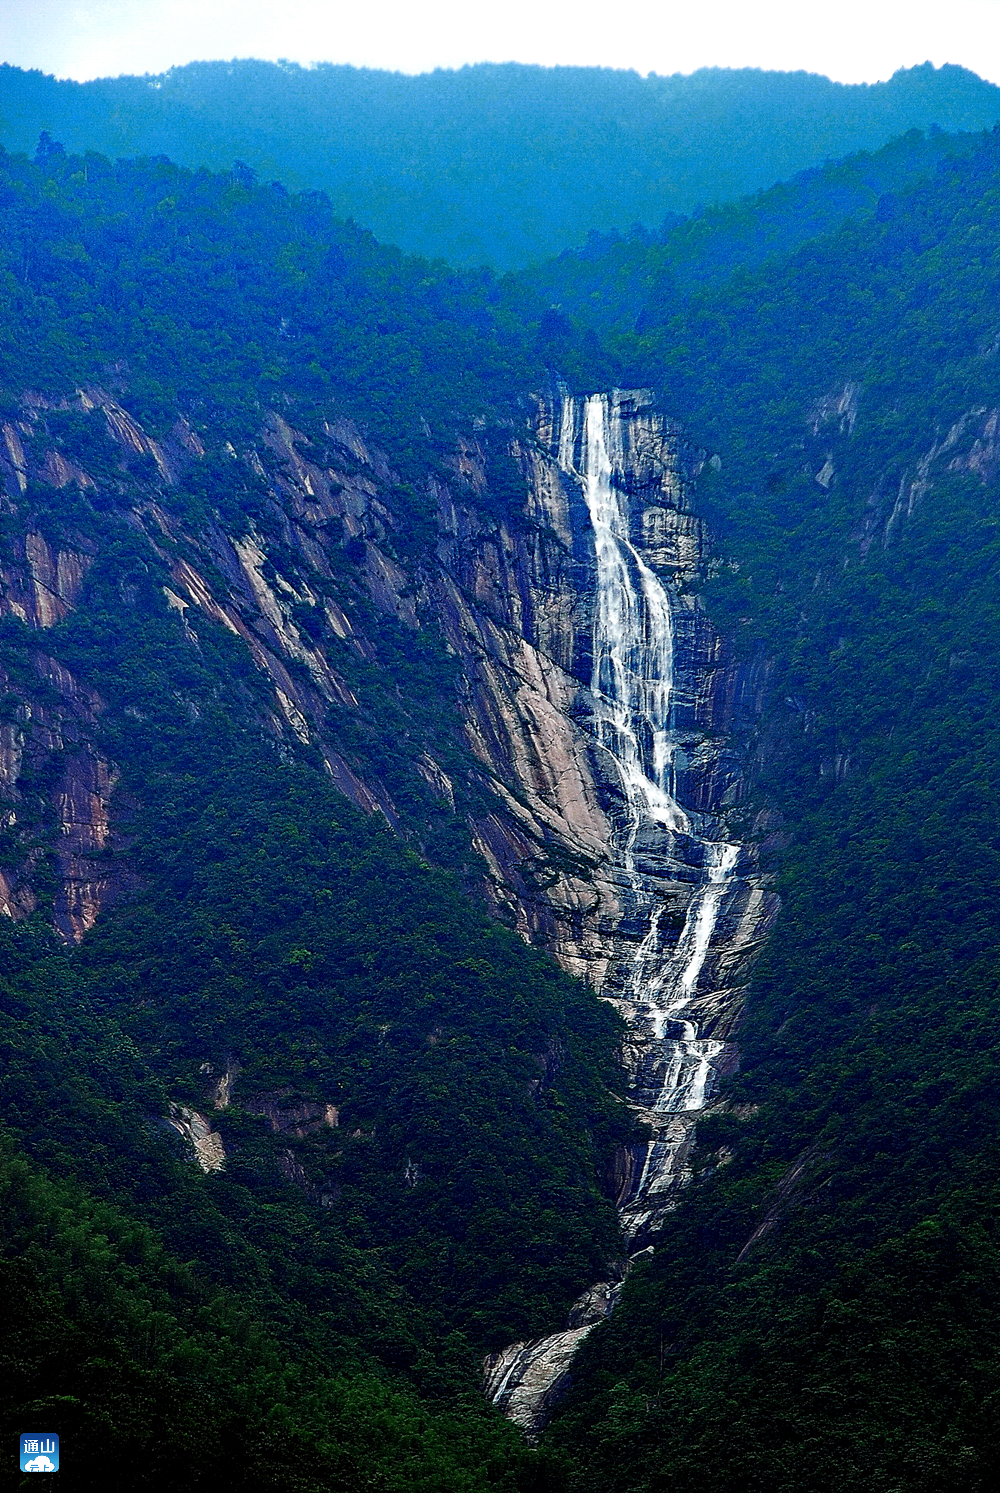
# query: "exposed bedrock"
x,y
614,725
606,718
517,606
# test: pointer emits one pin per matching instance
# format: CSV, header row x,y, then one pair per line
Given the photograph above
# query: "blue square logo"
x,y
39,1451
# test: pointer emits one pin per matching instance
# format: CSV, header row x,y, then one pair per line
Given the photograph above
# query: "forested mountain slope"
x,y
498,164
614,283
297,1131
290,1123
821,1312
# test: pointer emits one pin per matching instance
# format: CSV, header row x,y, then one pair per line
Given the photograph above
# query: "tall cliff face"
x,y
516,600
603,723
517,606
613,725
513,598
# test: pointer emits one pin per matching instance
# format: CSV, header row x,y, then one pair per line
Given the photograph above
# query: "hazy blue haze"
x,y
500,164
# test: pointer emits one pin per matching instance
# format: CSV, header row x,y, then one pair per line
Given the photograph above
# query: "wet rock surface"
x,y
605,722
618,740
205,1143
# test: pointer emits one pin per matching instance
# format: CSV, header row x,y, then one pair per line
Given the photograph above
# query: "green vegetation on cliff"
x,y
420,1127
821,1312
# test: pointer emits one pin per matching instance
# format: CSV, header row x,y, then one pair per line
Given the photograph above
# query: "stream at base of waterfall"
x,y
661,987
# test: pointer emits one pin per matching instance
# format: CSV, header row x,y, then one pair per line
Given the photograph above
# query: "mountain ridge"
x,y
498,163
242,445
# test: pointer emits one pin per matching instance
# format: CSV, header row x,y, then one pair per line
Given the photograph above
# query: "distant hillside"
x,y
614,282
501,164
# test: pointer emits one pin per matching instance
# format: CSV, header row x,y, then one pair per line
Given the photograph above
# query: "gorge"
x,y
406,731
690,909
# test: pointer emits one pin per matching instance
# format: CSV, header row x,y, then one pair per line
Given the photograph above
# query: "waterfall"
x,y
632,684
665,978
632,673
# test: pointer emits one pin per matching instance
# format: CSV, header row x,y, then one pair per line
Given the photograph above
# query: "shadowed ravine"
x,y
666,979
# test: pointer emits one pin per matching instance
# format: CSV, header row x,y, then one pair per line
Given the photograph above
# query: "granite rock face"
x,y
605,724
517,604
56,787
614,728
196,1130
513,597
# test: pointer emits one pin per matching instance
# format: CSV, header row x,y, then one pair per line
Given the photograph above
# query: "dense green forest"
x,y
614,282
222,293
327,1298
312,945
821,1313
494,164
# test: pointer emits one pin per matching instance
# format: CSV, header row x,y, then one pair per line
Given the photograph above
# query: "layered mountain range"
x,y
499,164
416,706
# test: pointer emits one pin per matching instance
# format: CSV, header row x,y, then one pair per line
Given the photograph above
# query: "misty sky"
x,y
851,40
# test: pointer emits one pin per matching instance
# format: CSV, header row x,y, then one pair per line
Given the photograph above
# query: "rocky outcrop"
x,y
56,786
515,600
605,722
527,1380
55,800
205,1143
296,1118
40,583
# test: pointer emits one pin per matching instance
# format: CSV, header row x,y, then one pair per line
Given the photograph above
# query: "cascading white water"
x,y
697,935
632,687
632,680
632,673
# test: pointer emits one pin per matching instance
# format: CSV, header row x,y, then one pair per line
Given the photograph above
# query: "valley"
x,y
498,855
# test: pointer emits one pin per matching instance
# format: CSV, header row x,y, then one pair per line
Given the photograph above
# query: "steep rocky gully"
x,y
606,720
673,910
